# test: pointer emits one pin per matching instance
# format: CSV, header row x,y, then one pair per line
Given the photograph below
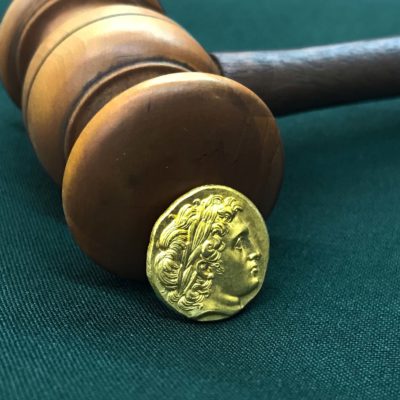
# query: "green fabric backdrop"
x,y
325,325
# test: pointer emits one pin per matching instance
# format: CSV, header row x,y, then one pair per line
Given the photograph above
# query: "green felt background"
x,y
325,325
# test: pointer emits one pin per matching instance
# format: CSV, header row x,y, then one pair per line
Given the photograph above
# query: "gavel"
x,y
127,111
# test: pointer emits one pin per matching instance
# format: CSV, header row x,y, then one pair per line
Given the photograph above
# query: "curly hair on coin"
x,y
190,249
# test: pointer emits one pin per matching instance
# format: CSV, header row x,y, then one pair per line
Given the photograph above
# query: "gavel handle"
x,y
290,81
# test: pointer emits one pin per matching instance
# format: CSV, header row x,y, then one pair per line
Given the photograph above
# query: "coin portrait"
x,y
208,253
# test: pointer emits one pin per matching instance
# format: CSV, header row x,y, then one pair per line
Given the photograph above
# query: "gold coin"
x,y
208,253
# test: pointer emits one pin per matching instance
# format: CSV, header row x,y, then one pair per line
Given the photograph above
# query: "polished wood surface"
x,y
110,94
28,22
105,55
153,143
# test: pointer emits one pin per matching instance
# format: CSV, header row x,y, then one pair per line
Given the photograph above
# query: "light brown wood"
x,y
28,22
153,143
115,52
153,128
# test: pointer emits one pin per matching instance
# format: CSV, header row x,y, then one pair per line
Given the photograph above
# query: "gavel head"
x,y
116,111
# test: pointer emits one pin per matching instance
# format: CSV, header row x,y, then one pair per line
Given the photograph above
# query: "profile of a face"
x,y
208,256
240,259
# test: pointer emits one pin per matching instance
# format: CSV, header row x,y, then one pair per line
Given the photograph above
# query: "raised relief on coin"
x,y
208,253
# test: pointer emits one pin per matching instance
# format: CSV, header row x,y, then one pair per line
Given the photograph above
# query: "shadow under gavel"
x,y
128,112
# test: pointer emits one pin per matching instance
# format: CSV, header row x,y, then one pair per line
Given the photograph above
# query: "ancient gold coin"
x,y
208,253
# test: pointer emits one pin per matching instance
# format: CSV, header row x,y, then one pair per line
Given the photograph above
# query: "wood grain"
x,y
290,81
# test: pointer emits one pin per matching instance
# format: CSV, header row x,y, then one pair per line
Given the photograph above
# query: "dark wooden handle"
x,y
290,81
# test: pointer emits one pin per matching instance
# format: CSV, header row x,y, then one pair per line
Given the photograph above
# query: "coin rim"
x,y
168,212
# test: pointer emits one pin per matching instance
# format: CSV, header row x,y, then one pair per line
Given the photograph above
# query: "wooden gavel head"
x,y
129,112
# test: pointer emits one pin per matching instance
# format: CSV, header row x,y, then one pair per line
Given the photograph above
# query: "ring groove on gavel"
x,y
136,38
28,22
